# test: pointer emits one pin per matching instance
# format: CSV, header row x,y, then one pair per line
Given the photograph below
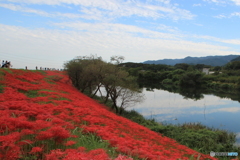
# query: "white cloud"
x,y
106,39
120,8
116,29
220,16
167,28
228,41
197,5
235,14
216,1
237,2
40,12
24,9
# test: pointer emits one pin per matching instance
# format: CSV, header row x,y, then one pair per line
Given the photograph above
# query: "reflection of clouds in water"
x,y
232,109
164,102
176,111
160,98
165,106
238,135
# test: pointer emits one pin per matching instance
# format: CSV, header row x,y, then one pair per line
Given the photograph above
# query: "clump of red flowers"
x,y
38,110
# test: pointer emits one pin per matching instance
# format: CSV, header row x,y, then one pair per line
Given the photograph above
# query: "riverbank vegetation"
x,y
186,75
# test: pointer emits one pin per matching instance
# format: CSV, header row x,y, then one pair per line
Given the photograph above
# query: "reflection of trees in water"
x,y
188,93
192,93
195,93
235,96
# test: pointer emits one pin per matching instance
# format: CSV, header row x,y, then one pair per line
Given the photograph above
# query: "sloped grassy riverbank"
x,y
43,117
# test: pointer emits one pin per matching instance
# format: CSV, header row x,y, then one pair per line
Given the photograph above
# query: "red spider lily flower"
x,y
74,136
9,140
69,143
55,155
12,153
36,150
99,154
59,133
44,135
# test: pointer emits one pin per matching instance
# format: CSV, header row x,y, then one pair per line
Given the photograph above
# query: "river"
x,y
207,109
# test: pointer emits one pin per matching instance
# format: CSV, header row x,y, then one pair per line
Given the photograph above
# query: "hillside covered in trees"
x,y
187,76
209,60
236,59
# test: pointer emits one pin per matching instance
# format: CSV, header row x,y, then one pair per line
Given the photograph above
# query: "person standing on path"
x,y
3,63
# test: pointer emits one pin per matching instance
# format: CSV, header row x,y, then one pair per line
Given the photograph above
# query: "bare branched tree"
x,y
90,73
129,98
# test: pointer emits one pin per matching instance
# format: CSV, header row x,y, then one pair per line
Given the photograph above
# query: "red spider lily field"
x,y
42,116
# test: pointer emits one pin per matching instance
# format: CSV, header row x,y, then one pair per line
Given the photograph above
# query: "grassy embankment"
x,y
43,117
20,138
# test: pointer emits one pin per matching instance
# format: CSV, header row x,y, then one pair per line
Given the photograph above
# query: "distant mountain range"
x,y
236,59
209,60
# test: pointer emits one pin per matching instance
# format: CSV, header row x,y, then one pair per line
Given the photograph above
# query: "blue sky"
x,y
47,33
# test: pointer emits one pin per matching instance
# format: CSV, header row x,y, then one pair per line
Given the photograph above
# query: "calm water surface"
x,y
212,111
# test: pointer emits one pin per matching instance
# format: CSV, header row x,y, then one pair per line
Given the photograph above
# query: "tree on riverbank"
x,y
90,73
